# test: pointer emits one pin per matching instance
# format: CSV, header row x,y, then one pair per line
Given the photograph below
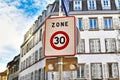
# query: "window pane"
x,y
119,46
77,5
106,4
81,71
108,23
113,70
93,23
119,4
91,4
96,69
81,46
110,45
80,24
94,45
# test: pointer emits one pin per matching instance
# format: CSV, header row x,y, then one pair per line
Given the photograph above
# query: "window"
x,y
81,71
42,74
108,23
39,74
22,52
29,60
21,66
96,70
117,4
95,45
91,4
36,38
26,62
32,76
36,75
33,58
106,4
40,37
41,55
80,24
93,23
36,56
77,5
110,45
118,45
81,46
113,70
24,65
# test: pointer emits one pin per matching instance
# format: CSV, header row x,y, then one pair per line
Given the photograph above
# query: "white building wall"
x,y
87,57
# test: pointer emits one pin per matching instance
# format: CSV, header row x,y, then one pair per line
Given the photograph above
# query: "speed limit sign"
x,y
62,40
60,35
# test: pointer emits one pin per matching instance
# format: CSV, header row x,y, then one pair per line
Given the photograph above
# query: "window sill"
x,y
92,9
80,53
113,78
93,29
81,29
108,29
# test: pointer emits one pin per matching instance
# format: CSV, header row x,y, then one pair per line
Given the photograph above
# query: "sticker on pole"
x,y
60,37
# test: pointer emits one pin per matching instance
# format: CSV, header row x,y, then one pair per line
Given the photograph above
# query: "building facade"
x,y
3,75
13,68
98,50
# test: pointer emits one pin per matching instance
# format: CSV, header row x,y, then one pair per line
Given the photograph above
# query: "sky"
x,y
16,17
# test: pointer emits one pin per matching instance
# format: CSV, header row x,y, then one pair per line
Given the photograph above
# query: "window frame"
x,y
111,76
77,5
104,4
91,2
79,74
80,23
108,23
81,44
96,77
94,44
107,45
118,49
94,24
117,2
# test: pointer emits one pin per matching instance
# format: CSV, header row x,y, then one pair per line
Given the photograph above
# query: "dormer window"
x,y
106,4
77,4
117,4
91,4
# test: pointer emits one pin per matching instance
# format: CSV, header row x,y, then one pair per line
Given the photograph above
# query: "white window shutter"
x,y
113,45
108,46
118,46
115,70
106,73
84,23
77,22
99,71
97,46
91,45
87,71
93,70
80,47
100,23
116,23
74,74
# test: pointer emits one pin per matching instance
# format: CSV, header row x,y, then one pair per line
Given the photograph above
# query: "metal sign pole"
x,y
60,59
60,67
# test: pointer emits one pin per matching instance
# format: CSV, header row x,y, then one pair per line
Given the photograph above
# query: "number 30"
x,y
60,40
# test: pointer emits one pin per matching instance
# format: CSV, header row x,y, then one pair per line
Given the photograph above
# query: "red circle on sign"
x,y
66,42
